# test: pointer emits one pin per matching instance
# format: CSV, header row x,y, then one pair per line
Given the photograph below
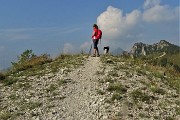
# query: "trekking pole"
x,y
90,50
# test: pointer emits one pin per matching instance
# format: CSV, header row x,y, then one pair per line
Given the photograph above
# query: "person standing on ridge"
x,y
96,35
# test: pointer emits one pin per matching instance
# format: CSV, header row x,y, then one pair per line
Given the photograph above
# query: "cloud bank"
x,y
68,48
149,24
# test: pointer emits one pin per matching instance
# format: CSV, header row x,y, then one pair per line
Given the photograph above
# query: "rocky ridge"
x,y
106,88
145,49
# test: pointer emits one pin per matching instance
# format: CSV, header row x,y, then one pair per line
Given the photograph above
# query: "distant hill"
x,y
117,51
142,49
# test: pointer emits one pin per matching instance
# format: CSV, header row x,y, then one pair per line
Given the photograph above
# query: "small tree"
x,y
28,60
25,56
22,60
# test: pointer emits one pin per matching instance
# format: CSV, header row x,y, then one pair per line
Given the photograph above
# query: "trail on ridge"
x,y
83,102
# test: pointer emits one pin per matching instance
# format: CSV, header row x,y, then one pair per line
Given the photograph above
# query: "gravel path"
x,y
83,102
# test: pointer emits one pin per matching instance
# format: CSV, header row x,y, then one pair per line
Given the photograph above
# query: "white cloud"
x,y
160,13
110,22
150,3
68,48
115,25
133,18
123,29
85,46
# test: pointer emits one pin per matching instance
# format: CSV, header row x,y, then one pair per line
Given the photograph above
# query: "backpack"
x,y
99,34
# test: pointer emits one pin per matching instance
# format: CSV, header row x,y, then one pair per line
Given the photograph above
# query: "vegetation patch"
x,y
113,73
24,85
13,97
178,110
51,88
100,92
174,83
158,90
116,96
30,105
9,81
28,60
5,115
63,81
2,76
117,87
143,115
137,96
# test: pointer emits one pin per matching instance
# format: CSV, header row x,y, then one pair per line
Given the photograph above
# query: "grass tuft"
x,y
117,87
10,81
5,115
137,96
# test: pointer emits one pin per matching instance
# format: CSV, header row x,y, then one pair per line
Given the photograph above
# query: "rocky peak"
x,y
145,49
163,44
139,49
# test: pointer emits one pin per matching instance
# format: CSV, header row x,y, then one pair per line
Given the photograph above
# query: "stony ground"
x,y
95,91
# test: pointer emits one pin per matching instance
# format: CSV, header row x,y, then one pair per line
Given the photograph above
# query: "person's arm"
x,y
94,34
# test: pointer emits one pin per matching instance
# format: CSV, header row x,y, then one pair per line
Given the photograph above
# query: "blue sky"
x,y
65,26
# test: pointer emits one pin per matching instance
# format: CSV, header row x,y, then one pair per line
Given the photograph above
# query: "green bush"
x,y
176,68
163,62
28,60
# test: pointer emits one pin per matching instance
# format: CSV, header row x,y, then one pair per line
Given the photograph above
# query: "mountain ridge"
x,y
140,48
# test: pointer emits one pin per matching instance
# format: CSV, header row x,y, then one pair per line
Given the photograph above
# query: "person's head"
x,y
95,26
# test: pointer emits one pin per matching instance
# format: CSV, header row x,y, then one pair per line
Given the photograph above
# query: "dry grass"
x,y
34,61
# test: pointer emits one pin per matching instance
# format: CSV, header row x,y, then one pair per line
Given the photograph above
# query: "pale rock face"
x,y
145,49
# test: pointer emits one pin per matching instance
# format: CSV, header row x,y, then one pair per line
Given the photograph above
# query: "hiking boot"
x,y
98,56
93,55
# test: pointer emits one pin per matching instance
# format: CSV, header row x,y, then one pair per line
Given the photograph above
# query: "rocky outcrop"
x,y
139,49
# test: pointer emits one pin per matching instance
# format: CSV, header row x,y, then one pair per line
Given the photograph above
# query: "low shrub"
x,y
9,81
28,60
116,96
137,95
117,87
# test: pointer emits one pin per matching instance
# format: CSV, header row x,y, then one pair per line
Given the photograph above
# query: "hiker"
x,y
96,35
